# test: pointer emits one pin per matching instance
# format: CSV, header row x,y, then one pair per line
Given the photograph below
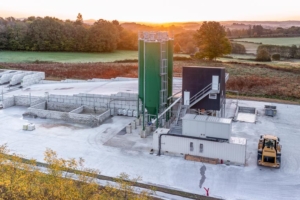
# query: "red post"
x,y
207,191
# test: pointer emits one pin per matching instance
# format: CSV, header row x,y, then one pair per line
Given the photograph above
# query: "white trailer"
x,y
232,152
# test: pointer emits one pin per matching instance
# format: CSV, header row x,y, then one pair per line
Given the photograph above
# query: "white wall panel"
x,y
206,126
234,153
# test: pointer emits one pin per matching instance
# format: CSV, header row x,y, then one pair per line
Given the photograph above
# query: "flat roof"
x,y
205,67
205,118
220,120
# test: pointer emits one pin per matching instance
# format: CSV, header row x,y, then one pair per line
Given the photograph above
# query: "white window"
x,y
191,146
215,82
201,148
213,96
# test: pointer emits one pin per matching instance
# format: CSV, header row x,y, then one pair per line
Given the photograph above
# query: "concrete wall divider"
x,y
77,110
45,110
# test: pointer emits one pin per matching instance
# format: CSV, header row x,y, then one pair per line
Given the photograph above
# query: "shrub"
x,y
293,51
263,55
237,48
276,56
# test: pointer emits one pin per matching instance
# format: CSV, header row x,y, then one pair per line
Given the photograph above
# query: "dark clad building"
x,y
194,79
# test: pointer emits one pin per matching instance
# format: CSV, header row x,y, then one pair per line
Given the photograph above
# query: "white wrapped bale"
x,y
5,78
33,78
16,79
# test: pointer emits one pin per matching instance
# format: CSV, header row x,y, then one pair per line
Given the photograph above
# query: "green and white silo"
x,y
155,73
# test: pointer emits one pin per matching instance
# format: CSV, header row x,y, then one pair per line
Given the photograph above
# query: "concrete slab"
x,y
107,87
246,117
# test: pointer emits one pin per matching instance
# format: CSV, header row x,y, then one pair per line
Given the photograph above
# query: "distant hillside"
x,y
89,21
136,27
144,26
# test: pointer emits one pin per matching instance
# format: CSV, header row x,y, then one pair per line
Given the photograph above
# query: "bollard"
x,y
128,129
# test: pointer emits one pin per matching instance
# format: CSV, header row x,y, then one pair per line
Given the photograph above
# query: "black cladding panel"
x,y
195,79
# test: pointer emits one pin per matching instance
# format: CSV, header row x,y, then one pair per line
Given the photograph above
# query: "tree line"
x,y
52,34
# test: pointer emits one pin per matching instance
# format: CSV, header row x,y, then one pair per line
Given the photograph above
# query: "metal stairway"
x,y
182,109
200,95
180,113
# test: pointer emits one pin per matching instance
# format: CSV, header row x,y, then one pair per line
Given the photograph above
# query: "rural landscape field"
x,y
283,41
64,57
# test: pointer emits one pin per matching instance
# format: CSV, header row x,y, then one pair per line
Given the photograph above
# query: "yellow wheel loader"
x,y
269,151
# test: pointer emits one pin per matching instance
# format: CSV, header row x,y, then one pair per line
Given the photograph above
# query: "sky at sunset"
x,y
155,10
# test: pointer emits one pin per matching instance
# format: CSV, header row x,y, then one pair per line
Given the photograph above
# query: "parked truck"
x,y
269,151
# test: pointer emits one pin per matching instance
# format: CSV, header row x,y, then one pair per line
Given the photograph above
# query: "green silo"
x,y
155,71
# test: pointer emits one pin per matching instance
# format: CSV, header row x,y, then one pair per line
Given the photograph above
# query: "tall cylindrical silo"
x,y
155,71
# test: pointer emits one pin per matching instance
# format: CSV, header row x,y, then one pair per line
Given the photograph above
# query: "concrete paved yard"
x,y
113,152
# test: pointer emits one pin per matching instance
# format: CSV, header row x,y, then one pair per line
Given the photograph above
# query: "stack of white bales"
x,y
5,78
16,79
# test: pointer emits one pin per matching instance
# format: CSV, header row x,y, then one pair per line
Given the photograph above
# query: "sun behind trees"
x,y
62,179
212,41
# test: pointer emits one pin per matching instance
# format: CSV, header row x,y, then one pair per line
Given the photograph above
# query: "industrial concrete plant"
x,y
153,126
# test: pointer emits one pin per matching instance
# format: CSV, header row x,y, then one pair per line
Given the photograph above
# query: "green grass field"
x,y
67,57
250,47
288,41
64,57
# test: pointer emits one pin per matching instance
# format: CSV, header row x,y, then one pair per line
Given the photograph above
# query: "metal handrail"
x,y
178,112
173,104
200,94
